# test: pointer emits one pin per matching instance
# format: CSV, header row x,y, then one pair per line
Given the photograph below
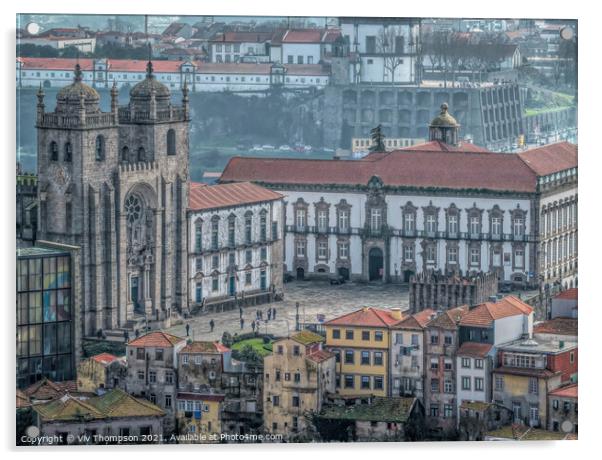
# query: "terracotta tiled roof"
x,y
46,389
449,319
204,347
22,400
113,404
438,146
307,337
320,356
156,339
242,37
558,326
310,36
551,158
367,316
569,294
417,321
484,314
104,358
226,195
478,350
405,168
569,391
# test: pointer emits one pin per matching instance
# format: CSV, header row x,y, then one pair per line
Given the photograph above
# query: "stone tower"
x,y
444,127
115,184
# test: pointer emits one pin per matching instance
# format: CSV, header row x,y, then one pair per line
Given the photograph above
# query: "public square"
x,y
314,297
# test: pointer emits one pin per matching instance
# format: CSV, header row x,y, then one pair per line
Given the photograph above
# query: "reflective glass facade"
x,y
44,316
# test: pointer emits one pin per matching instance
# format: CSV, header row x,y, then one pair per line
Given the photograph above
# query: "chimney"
x,y
396,313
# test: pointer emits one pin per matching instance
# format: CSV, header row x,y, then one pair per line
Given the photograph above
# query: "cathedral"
x,y
115,184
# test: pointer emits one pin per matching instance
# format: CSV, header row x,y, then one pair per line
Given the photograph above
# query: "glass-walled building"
x,y
45,315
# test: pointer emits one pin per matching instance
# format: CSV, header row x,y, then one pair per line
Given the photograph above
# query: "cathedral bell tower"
x,y
444,127
115,184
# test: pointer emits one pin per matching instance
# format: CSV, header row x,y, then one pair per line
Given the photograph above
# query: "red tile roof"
x,y
478,350
163,66
416,321
551,158
367,316
46,389
484,314
438,146
569,391
242,37
204,347
557,326
203,197
310,36
449,319
104,358
320,356
412,168
569,294
156,339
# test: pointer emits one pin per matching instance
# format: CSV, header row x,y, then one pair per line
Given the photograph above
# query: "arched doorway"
x,y
407,274
300,273
47,84
344,273
375,264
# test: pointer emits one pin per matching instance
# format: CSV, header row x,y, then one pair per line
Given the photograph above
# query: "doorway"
x,y
300,273
134,293
232,286
375,264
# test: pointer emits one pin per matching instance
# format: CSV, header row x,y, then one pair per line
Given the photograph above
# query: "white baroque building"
x,y
235,244
440,205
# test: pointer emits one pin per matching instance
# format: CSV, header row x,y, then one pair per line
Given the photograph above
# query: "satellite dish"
x,y
567,33
32,28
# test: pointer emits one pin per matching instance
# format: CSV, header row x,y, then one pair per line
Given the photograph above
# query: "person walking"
x,y
269,314
242,323
253,325
240,311
187,330
274,313
211,324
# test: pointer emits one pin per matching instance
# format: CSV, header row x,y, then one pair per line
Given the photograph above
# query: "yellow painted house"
x,y
199,417
360,342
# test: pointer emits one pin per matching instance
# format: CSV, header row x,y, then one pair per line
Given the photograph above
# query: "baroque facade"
x,y
115,184
443,205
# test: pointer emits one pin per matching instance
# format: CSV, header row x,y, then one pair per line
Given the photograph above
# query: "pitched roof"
x,y
203,197
402,168
367,316
484,314
558,326
204,347
526,372
439,146
392,409
113,404
307,36
569,294
47,389
104,358
320,356
474,349
568,391
449,319
22,400
416,321
156,339
550,158
307,337
241,37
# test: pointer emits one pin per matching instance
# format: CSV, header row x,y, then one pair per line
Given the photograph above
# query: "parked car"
x,y
505,286
268,147
337,279
284,148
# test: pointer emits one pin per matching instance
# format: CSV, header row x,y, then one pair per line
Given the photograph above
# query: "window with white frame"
x,y
301,246
452,224
431,254
322,220
475,223
343,220
409,222
323,250
496,227
475,256
519,257
452,255
518,227
408,252
431,223
343,250
301,218
375,219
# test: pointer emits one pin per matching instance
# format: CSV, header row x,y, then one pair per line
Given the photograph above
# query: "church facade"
x,y
116,184
443,205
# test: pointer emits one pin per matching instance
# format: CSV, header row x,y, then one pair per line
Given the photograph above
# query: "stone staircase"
x,y
137,323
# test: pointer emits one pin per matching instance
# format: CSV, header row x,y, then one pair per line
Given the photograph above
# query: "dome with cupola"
x,y
444,127
70,97
149,88
444,118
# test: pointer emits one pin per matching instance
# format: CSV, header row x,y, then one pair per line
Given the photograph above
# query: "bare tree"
x,y
391,43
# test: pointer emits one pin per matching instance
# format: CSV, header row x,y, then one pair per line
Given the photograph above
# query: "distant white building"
x,y
384,48
200,76
235,244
